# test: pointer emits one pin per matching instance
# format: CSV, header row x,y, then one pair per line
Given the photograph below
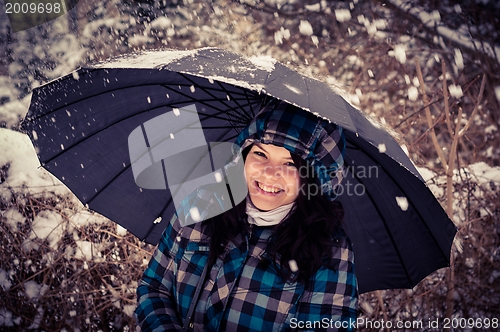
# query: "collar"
x,y
267,218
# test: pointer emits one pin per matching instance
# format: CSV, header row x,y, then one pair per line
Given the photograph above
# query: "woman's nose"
x,y
273,171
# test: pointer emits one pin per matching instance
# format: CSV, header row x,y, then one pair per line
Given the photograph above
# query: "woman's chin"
x,y
262,203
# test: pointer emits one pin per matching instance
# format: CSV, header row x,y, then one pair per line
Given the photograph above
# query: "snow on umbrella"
x,y
82,123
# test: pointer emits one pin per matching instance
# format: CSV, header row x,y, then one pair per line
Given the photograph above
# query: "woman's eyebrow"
x,y
257,144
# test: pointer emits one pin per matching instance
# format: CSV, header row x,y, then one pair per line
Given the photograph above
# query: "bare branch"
x,y
439,151
476,107
446,101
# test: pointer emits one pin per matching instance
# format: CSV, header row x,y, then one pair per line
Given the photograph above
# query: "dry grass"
x,y
53,288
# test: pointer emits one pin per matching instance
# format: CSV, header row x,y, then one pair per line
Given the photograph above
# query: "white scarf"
x,y
267,218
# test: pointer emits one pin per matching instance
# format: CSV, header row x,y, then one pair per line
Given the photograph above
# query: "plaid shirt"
x,y
242,291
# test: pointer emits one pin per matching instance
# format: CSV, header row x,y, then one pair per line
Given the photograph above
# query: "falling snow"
x,y
195,214
305,28
400,53
412,93
459,59
402,203
293,265
280,35
342,15
455,90
218,177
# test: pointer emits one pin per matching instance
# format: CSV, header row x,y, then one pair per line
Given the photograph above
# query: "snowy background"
x,y
63,267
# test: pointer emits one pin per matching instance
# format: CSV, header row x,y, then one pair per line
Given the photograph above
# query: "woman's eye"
x,y
260,154
290,164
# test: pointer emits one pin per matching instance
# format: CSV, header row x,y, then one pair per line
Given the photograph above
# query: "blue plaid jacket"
x,y
242,291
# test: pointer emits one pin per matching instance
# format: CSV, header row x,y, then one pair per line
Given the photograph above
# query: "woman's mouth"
x,y
268,190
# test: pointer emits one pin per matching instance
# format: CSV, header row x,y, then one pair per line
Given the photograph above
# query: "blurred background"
x,y
427,70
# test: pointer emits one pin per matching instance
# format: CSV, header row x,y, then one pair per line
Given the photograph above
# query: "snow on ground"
x,y
11,108
24,171
480,176
46,225
24,175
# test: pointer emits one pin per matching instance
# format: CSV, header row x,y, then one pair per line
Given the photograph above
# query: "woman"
x,y
277,261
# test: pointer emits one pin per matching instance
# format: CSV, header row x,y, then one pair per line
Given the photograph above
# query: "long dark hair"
x,y
305,236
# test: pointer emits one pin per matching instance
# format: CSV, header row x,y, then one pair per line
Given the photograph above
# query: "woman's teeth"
x,y
268,189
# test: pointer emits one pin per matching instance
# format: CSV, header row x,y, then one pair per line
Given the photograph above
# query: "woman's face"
x,y
272,178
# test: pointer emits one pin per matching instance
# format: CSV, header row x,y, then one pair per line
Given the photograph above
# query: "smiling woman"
x,y
279,256
271,175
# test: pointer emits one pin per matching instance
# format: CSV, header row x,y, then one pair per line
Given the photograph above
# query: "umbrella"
x,y
81,124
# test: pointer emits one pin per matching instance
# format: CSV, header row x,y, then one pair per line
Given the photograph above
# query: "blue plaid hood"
x,y
314,139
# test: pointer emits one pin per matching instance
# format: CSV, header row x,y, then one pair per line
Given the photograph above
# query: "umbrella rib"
x,y
87,137
69,147
205,116
33,118
204,102
249,104
243,113
126,118
128,165
125,168
206,90
171,197
229,128
240,120
131,116
260,102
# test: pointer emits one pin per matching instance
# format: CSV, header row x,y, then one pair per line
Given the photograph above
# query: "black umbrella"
x,y
80,125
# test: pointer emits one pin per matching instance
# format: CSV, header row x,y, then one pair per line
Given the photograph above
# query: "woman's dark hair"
x,y
305,236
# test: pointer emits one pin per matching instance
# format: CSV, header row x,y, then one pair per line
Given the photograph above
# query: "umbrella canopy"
x,y
81,123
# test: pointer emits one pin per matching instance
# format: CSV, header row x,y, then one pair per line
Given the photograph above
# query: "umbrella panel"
x,y
95,130
379,225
